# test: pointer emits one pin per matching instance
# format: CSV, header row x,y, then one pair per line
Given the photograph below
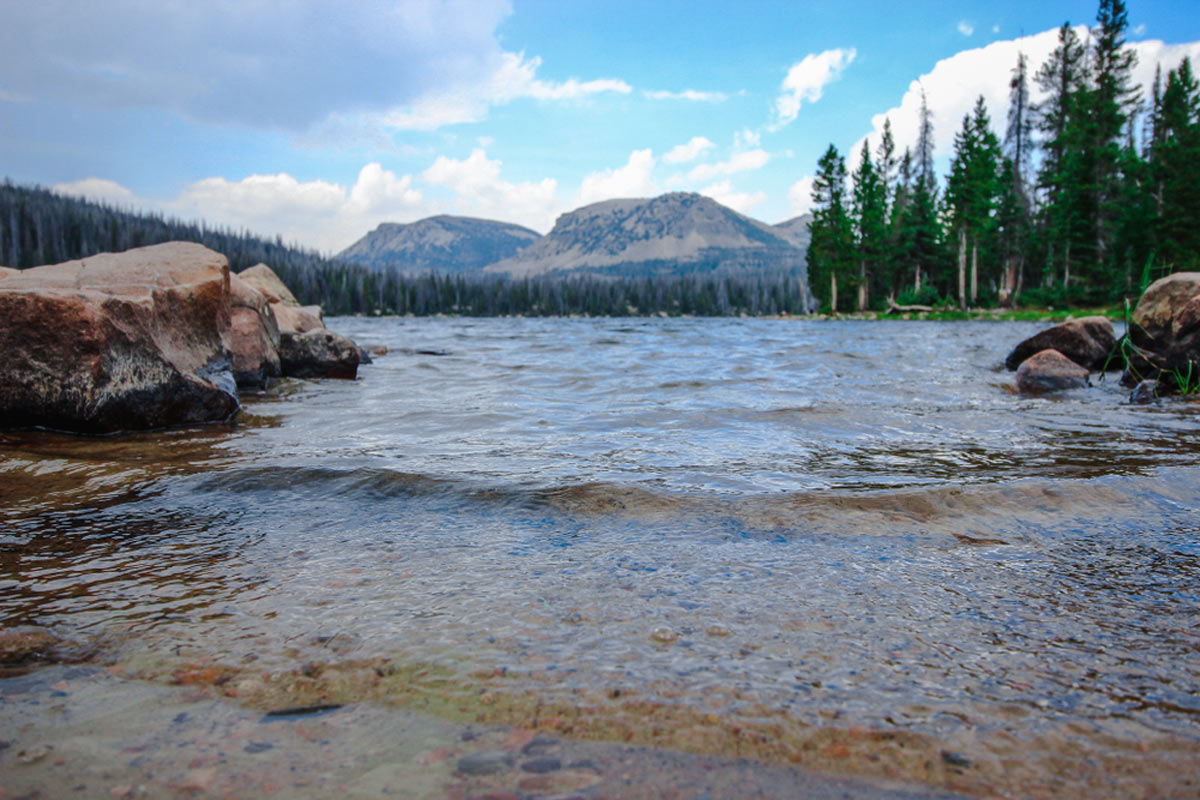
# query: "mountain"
x,y
795,230
671,234
441,244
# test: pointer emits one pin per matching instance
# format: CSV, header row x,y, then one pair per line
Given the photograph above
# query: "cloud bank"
x,y
276,64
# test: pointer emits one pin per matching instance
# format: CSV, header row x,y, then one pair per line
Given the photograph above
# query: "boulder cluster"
x,y
1159,354
151,338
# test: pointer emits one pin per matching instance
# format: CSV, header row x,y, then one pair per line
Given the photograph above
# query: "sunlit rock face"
x,y
118,341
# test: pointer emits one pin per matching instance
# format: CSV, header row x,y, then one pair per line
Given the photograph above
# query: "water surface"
x,y
827,543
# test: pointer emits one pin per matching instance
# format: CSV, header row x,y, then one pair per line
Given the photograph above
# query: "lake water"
x,y
843,545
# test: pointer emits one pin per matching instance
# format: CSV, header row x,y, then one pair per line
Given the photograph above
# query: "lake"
x,y
838,545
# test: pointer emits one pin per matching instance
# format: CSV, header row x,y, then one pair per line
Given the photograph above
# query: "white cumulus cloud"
x,y
954,83
966,28
738,162
683,153
480,191
800,196
635,179
807,79
741,202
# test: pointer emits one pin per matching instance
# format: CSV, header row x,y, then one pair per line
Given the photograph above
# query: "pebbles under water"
x,y
835,544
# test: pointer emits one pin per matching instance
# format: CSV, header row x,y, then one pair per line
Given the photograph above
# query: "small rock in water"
x,y
664,635
542,764
1145,392
954,759
24,642
1050,371
485,762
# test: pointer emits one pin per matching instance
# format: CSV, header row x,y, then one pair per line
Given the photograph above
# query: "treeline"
x,y
38,226
1068,207
698,294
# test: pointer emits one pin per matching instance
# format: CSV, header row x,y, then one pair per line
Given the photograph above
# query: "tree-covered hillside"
x,y
38,226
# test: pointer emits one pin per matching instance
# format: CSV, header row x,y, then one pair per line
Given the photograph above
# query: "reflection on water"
x,y
795,527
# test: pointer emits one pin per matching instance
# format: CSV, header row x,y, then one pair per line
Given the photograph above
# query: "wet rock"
x,y
264,279
1165,334
255,336
1087,341
664,636
955,759
1145,392
318,354
1050,371
24,642
118,341
486,762
542,764
298,319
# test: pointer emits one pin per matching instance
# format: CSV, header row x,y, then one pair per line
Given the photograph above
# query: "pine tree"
x,y
1062,79
869,204
831,247
1113,101
1175,161
971,194
1016,206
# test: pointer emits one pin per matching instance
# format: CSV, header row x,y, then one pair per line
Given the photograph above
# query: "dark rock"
x,y
318,354
1050,371
542,764
1145,392
1087,341
127,341
486,762
255,336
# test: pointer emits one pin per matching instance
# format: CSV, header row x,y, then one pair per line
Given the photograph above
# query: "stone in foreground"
x,y
1165,332
318,354
115,342
255,336
1086,341
1050,371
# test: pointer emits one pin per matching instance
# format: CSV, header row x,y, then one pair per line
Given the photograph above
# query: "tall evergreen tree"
x,y
869,206
831,246
1176,162
1062,80
1111,103
1016,203
971,193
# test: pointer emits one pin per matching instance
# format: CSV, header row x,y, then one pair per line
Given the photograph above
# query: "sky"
x,y
317,120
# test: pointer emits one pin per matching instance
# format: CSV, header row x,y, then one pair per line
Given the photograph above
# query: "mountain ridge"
x,y
442,243
678,232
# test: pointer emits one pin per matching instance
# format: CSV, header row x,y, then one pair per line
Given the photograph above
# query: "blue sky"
x,y
319,120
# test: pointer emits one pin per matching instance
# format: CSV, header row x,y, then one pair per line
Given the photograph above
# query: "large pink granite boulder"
x,y
118,341
255,336
264,279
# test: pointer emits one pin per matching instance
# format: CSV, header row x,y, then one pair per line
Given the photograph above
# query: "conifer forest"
x,y
1090,193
